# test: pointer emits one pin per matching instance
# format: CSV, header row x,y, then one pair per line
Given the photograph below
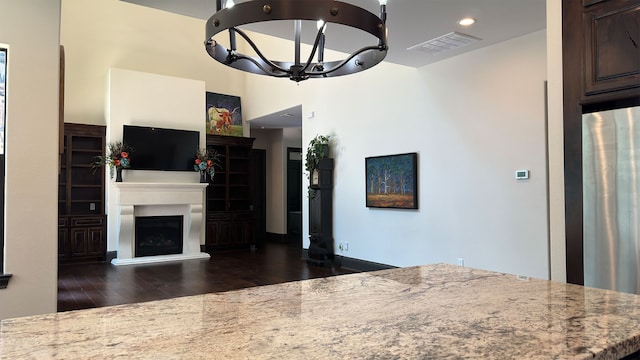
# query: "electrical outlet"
x,y
92,206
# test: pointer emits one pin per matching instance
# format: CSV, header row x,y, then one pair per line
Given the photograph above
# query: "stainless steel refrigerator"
x,y
611,188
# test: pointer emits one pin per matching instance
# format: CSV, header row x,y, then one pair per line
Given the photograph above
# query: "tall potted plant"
x,y
318,149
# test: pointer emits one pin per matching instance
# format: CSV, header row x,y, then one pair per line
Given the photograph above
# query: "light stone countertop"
x,y
427,312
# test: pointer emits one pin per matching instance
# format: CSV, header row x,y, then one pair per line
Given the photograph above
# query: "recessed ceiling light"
x,y
466,21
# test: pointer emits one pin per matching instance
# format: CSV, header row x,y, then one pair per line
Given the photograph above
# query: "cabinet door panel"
x,y
247,232
612,46
234,233
64,247
96,243
217,233
79,242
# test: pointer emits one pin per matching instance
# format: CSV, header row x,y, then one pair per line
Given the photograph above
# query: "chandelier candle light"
x,y
322,11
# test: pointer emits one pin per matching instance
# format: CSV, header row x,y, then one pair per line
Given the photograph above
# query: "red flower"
x,y
116,162
198,161
124,154
209,163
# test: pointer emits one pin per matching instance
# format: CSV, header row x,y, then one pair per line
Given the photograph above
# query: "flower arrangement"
x,y
117,157
206,161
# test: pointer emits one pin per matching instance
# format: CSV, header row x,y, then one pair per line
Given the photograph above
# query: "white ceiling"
x,y
409,22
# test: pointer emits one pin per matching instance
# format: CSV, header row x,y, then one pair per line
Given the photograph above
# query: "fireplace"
x,y
158,235
164,200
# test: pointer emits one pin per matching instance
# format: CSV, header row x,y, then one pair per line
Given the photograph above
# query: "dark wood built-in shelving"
x,y
231,219
81,200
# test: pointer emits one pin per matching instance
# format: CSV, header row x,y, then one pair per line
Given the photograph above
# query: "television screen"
x,y
161,149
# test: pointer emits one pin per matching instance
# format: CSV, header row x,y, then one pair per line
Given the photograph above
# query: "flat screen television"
x,y
161,149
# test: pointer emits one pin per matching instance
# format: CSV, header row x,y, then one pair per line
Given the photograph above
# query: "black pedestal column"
x,y
321,215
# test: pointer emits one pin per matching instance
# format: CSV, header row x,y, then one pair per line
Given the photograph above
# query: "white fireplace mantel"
x,y
159,199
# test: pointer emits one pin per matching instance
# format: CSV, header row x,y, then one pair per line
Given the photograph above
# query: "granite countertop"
x,y
429,312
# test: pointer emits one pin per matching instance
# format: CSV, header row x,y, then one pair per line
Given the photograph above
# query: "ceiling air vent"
x,y
450,41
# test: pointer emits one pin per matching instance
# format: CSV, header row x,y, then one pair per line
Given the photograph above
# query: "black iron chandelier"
x,y
322,11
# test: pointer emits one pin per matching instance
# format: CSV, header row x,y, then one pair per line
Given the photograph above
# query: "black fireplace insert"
x,y
158,235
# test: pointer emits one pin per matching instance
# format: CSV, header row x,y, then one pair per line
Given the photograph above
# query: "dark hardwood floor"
x,y
82,286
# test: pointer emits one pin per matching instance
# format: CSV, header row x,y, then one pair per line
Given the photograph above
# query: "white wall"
x,y
486,111
145,99
272,140
101,34
474,120
276,142
31,29
292,138
555,141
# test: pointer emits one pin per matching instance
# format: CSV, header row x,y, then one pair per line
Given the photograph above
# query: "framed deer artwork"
x,y
223,115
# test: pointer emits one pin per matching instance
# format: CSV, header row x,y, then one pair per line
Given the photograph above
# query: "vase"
x,y
203,177
118,174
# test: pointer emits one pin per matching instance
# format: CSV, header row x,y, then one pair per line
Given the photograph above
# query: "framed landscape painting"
x,y
392,181
223,115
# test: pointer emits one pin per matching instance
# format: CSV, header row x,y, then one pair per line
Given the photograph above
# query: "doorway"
x,y
294,197
259,172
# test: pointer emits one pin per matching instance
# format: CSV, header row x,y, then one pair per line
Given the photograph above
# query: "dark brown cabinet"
x,y
231,219
611,48
233,229
87,237
81,210
601,71
64,247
